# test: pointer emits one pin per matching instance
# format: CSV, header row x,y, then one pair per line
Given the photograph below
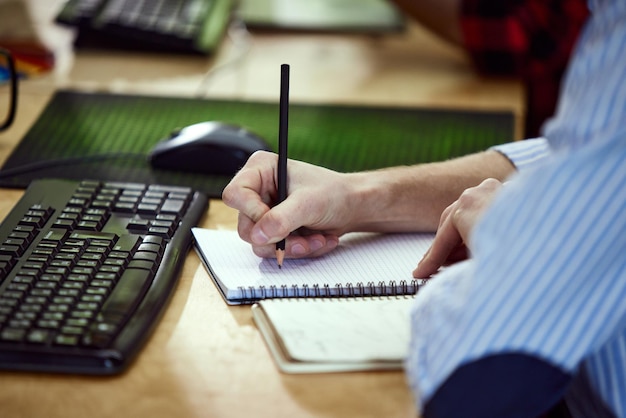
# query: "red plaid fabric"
x,y
530,39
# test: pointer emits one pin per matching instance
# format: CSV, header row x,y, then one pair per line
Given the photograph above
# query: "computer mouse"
x,y
207,148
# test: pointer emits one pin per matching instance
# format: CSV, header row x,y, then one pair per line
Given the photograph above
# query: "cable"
x,y
240,37
242,42
42,165
13,76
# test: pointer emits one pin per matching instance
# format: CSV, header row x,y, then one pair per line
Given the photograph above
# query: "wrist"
x,y
379,201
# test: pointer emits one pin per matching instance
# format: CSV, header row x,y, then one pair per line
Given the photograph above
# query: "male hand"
x,y
314,215
455,226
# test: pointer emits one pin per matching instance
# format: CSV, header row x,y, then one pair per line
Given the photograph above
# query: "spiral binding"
x,y
381,288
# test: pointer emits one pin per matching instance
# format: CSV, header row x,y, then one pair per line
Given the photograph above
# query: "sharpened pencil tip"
x,y
280,256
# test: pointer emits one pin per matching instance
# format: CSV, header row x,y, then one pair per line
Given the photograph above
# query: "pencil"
x,y
283,127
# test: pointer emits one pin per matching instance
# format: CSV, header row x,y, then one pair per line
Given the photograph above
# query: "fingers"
x,y
296,246
456,223
252,189
447,241
295,212
276,223
251,192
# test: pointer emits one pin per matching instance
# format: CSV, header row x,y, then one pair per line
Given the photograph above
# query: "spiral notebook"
x,y
364,264
335,335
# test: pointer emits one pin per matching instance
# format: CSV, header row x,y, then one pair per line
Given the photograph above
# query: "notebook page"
x,y
360,258
338,330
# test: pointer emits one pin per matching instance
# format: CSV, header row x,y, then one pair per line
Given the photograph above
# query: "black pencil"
x,y
283,127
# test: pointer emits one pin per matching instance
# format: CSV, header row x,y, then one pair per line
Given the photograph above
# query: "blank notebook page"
x,y
342,330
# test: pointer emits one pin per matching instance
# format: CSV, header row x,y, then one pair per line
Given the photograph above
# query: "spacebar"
x,y
126,295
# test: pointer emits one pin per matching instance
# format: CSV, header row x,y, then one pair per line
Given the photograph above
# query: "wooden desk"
x,y
206,359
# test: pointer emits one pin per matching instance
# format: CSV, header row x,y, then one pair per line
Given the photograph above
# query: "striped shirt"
x,y
537,316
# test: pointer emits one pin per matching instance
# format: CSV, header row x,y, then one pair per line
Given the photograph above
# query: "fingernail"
x,y
259,237
316,245
298,249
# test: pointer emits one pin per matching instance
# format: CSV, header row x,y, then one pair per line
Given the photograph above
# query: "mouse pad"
x,y
80,126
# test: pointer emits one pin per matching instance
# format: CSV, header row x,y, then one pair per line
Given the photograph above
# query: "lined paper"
x,y
362,263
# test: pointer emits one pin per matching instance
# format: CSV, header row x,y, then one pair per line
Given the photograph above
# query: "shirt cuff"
x,y
525,154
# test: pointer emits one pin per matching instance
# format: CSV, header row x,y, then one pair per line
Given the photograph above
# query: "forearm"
x,y
440,16
412,198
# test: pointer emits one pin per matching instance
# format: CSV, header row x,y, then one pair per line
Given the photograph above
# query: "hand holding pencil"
x,y
259,192
282,227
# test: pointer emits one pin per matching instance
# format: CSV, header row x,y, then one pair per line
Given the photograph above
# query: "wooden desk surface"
x,y
206,359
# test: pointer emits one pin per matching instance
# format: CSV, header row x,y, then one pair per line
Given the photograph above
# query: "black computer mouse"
x,y
207,148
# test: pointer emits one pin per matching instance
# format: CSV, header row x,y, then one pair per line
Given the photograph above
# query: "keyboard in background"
x,y
184,26
343,16
87,269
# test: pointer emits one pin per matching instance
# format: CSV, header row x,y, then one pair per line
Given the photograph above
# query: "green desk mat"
x,y
343,138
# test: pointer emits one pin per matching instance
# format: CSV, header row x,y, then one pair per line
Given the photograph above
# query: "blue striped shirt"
x,y
538,314
525,154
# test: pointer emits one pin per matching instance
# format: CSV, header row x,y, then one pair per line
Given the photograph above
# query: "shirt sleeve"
x,y
525,154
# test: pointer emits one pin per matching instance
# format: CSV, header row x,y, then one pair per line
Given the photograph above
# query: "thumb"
x,y
276,223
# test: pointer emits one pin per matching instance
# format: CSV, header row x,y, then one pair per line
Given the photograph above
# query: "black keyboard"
x,y
87,268
191,26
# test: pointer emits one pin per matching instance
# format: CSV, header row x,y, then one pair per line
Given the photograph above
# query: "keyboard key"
x,y
13,334
127,294
39,336
160,232
65,223
17,242
173,206
138,224
147,208
12,250
85,235
152,257
32,221
153,248
127,243
68,340
142,265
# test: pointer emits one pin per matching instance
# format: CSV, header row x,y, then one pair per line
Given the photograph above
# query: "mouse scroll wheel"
x,y
175,133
